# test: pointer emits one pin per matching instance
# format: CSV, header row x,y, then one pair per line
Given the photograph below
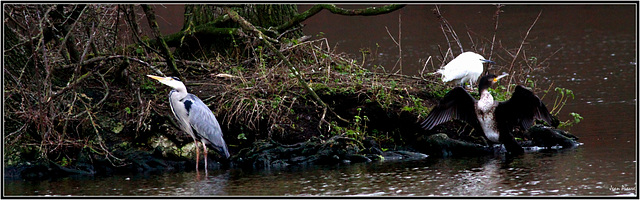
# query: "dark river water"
x,y
596,58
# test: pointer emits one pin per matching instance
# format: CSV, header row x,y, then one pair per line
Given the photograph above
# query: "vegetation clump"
x,y
77,95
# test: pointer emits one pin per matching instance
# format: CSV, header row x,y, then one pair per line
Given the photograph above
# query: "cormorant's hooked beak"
x,y
499,77
487,61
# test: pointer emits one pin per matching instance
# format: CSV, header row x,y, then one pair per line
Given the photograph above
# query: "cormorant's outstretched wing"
x,y
204,123
522,109
456,104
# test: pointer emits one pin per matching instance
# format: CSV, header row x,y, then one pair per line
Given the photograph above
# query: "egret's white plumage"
x,y
467,67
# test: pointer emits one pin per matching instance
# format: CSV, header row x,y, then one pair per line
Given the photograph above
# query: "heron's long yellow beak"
x,y
159,78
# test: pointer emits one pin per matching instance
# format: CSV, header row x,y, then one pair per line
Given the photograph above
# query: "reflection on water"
x,y
598,61
539,173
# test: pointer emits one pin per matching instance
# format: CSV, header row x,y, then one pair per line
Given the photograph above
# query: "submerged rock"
x,y
548,137
440,145
270,154
403,155
335,150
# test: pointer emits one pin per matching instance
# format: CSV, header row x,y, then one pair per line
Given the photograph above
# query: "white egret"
x,y
467,67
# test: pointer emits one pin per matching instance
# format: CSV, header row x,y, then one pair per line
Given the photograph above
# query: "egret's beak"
x,y
499,77
487,61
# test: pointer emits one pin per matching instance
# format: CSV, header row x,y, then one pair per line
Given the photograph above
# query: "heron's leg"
x,y
204,146
197,153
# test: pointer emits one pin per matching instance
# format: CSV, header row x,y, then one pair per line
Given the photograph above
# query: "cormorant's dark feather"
x,y
456,104
521,110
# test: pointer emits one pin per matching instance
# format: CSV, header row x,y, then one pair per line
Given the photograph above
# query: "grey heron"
x,y
495,119
195,118
466,67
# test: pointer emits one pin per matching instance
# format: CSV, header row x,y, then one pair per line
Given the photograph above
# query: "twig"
x,y
398,43
400,40
106,89
84,53
473,44
103,58
552,54
289,31
247,61
495,29
66,37
70,86
445,23
425,67
100,141
519,49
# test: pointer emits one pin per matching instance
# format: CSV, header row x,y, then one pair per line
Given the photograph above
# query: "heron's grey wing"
x,y
522,109
205,124
456,104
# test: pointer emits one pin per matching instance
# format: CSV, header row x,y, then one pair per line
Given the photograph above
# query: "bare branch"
x,y
337,10
520,48
496,17
445,24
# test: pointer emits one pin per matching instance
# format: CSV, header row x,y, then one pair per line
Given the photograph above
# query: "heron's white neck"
x,y
182,89
179,92
179,89
176,85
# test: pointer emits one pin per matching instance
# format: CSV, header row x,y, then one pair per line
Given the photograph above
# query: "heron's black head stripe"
x,y
187,105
